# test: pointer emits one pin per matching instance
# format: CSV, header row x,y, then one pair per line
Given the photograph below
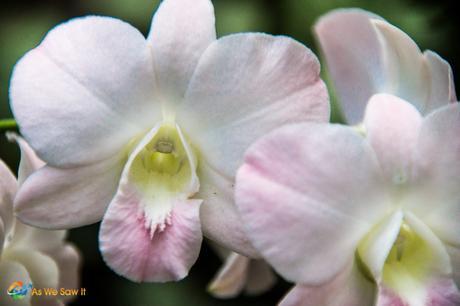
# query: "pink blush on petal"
x,y
388,297
444,293
129,249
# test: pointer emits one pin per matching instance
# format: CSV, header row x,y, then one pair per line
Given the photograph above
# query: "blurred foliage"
x,y
24,23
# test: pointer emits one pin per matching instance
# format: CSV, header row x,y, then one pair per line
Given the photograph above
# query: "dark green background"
x,y
24,23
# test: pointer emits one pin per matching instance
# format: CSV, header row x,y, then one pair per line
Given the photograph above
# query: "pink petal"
x,y
349,288
386,297
441,292
58,198
85,91
177,46
129,249
366,55
352,52
392,127
306,184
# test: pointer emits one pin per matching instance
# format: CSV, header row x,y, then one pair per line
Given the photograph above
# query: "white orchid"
x,y
240,274
360,220
30,255
366,55
154,127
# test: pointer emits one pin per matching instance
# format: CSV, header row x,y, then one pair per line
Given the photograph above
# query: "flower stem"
x,y
6,124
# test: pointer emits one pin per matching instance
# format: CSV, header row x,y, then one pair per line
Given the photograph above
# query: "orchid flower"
x,y
240,274
147,134
366,55
363,218
31,255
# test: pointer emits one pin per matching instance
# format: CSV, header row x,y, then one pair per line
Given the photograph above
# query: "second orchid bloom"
x,y
366,214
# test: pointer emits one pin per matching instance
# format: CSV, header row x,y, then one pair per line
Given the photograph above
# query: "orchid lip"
x,y
411,254
162,170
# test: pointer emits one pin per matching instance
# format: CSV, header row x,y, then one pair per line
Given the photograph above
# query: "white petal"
x,y
246,85
437,194
442,82
68,262
12,271
181,30
43,272
375,247
8,188
239,273
85,91
29,160
231,277
219,217
406,73
440,258
64,198
42,269
25,236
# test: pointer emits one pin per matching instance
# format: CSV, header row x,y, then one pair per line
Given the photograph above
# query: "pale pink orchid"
x,y
147,134
360,217
366,55
240,274
30,255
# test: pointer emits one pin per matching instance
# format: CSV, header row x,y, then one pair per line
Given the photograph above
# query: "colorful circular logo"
x,y
17,290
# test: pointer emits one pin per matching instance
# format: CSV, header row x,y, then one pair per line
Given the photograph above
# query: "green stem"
x,y
6,124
